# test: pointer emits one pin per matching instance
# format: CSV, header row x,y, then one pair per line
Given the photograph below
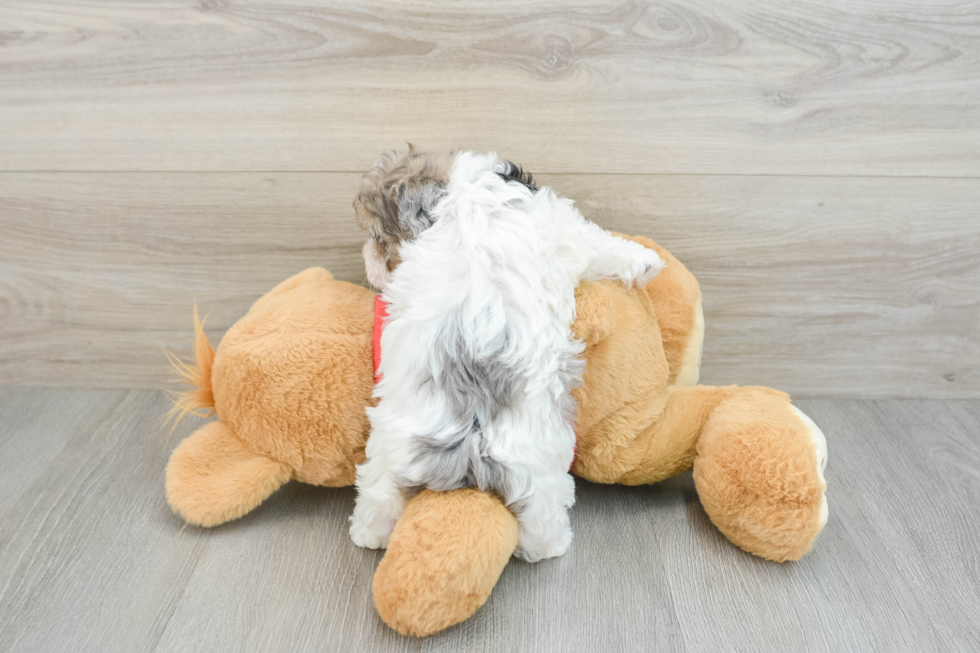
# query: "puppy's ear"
x,y
377,210
372,211
514,172
418,182
397,196
374,206
415,204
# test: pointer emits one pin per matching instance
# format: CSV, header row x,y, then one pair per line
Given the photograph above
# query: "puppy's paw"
x,y
543,550
368,535
645,266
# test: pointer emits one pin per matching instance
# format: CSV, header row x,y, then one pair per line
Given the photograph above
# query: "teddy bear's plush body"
x,y
291,379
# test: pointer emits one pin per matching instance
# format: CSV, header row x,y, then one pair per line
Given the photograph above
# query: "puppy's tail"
x,y
199,398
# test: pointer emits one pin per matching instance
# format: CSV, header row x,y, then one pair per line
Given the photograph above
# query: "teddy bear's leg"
x,y
759,474
444,558
676,298
213,478
648,442
758,462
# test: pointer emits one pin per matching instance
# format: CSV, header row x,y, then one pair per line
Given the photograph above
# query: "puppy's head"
x,y
394,204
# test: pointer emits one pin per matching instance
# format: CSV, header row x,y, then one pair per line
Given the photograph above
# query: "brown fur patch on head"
x,y
396,195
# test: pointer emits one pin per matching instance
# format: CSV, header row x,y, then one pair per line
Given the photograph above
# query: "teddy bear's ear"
x,y
595,318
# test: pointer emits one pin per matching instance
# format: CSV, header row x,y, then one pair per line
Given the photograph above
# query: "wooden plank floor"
x,y
820,287
91,559
816,163
826,87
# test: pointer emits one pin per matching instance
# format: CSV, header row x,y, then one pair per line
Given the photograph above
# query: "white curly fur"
x,y
496,274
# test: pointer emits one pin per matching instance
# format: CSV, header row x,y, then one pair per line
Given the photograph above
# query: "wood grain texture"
x,y
831,88
940,459
96,271
819,286
91,559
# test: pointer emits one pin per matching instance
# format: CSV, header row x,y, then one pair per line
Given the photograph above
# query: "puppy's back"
x,y
487,315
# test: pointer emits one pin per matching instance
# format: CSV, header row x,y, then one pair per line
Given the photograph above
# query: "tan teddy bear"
x,y
291,379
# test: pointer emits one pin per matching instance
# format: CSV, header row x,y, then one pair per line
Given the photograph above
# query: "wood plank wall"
x,y
816,165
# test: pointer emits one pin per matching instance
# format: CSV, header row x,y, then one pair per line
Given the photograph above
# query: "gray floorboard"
x,y
91,559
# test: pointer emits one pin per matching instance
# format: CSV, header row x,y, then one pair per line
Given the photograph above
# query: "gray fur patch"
x,y
415,205
478,384
479,387
456,462
570,375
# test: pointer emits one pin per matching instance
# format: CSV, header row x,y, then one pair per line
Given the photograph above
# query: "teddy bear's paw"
x,y
820,446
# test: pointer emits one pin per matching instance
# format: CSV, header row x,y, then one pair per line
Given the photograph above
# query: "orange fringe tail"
x,y
199,398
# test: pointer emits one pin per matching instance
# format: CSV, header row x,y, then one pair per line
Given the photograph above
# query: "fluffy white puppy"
x,y
479,269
